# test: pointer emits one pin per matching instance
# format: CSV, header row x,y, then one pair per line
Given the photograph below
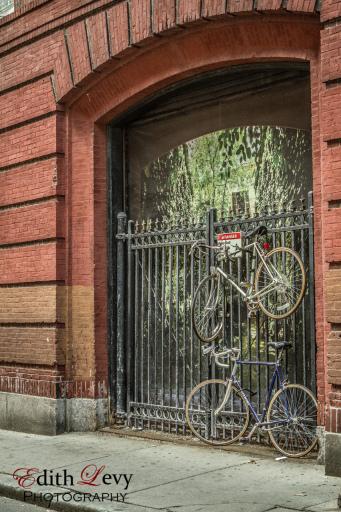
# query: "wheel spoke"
x,y
298,408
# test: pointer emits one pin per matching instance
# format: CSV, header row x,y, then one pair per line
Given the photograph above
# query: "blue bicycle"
x,y
218,411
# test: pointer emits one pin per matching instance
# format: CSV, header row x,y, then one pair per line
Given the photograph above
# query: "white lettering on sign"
x,y
229,236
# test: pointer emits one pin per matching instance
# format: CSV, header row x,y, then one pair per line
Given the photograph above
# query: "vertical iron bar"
x,y
170,331
191,324
130,293
184,366
211,216
136,321
163,299
143,303
177,309
303,309
121,404
149,318
156,324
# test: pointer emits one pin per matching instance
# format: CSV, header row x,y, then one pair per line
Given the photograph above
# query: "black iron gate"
x,y
159,358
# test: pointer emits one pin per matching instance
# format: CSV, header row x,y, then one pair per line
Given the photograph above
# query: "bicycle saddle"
x,y
279,344
260,230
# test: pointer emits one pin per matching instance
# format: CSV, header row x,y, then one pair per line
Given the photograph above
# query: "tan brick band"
x,y
38,345
334,357
32,304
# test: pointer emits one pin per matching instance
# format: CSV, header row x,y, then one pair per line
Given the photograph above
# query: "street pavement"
x,y
7,505
107,473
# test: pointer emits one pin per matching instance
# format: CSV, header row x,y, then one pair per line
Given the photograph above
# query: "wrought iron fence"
x,y
159,358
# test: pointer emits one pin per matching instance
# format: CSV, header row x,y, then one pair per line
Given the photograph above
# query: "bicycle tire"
x,y
295,426
196,411
264,303
208,330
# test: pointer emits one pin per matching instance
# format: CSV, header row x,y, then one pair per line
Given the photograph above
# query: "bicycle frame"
x,y
277,374
249,296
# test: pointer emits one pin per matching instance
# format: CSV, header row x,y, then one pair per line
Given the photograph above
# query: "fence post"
x,y
311,292
210,219
121,407
130,319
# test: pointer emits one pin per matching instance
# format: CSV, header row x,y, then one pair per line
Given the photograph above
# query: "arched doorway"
x,y
236,143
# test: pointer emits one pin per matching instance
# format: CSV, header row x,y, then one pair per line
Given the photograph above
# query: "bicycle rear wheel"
x,y
207,308
286,266
295,408
223,428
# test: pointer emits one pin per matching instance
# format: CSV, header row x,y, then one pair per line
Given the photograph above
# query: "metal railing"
x,y
159,358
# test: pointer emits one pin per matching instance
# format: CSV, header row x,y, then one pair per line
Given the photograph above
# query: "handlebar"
x,y
229,353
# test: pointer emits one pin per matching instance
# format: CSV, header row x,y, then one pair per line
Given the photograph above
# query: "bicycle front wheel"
x,y
207,308
295,409
285,266
223,428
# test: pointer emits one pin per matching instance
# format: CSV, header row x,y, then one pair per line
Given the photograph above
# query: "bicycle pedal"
x,y
244,440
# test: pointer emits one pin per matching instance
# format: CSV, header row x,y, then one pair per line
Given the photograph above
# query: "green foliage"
x,y
230,169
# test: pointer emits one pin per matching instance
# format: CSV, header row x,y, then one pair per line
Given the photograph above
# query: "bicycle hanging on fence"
x,y
218,411
277,286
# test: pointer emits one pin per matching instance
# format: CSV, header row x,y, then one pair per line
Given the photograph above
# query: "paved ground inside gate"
x,y
84,469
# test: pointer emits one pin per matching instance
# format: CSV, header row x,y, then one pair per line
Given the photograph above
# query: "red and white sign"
x,y
233,241
226,237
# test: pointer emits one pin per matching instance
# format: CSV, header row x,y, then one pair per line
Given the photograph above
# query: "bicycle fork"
x,y
228,390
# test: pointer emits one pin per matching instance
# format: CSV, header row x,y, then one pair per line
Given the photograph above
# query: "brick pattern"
x,y
32,304
140,20
98,40
240,6
30,141
301,5
331,9
79,52
331,211
32,100
34,222
26,345
334,359
32,181
188,11
32,263
118,28
164,15
331,52
331,121
211,8
269,5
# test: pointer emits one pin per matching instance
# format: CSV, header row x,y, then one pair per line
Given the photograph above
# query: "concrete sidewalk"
x,y
145,475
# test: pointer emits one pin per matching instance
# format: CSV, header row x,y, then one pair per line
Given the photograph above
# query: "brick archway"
x,y
141,72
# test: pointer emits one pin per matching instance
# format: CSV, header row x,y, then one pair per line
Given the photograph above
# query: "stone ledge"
x,y
49,416
333,454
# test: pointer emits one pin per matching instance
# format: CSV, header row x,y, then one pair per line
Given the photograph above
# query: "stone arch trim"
x,y
125,29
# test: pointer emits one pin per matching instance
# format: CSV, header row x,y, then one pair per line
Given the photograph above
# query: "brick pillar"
x,y
330,91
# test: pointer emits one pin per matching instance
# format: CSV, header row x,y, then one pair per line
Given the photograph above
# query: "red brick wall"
x,y
330,132
65,73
